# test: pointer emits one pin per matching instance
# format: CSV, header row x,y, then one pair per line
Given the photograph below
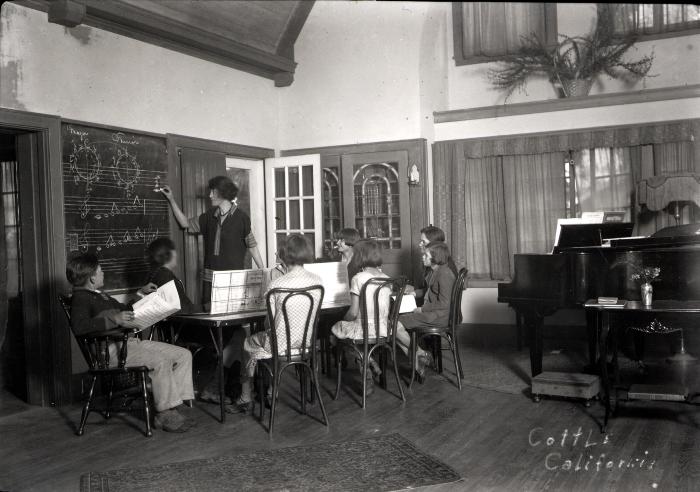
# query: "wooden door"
x,y
197,168
376,203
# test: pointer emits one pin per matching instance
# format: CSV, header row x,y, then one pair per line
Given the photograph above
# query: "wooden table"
x,y
216,322
662,316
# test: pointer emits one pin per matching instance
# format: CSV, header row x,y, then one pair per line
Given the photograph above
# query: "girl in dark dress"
x,y
162,257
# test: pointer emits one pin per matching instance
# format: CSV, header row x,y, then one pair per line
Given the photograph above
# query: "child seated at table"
x,y
436,308
368,258
170,367
294,252
162,257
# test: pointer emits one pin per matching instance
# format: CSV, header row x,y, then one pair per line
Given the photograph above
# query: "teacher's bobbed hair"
x,y
224,186
80,268
160,251
295,249
367,253
439,253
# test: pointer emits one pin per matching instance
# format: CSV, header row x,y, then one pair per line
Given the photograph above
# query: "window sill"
x,y
550,105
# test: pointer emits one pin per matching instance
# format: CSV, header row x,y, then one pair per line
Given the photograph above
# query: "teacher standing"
x,y
227,235
225,228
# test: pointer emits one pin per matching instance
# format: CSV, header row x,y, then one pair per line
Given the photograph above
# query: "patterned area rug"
x,y
378,463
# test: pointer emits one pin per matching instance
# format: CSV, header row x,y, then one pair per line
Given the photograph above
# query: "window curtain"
x,y
501,196
646,18
536,197
495,28
604,180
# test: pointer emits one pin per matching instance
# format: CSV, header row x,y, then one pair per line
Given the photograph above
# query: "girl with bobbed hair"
x,y
436,307
162,258
367,256
294,251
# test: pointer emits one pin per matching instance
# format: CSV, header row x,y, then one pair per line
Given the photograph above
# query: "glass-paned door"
x,y
375,202
294,203
247,175
332,210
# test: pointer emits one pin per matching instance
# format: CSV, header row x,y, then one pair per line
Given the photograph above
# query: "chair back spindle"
x,y
296,301
455,300
383,288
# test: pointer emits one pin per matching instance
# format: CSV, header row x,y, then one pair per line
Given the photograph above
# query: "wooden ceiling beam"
x,y
138,23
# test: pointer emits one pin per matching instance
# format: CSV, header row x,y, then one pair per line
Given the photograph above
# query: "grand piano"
x,y
587,264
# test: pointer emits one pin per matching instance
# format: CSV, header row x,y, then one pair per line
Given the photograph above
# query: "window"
x,y
604,180
486,29
651,19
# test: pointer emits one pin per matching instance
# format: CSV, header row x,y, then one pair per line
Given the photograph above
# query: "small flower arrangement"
x,y
646,275
640,273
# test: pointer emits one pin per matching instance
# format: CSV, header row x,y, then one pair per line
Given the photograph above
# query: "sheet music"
x,y
336,285
239,290
157,305
408,303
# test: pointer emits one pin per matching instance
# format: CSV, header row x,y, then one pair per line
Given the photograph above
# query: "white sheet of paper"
x,y
157,305
408,303
334,278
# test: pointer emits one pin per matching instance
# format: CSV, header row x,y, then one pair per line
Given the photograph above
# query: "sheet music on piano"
x,y
581,231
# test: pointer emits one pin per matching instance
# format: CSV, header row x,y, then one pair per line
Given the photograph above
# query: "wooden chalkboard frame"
x,y
163,161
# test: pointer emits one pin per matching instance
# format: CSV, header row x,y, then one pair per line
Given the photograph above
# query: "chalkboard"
x,y
111,204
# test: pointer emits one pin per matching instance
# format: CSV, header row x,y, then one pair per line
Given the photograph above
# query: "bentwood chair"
x,y
448,332
292,343
95,350
372,340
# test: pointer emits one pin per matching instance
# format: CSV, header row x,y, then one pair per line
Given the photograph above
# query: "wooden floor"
x,y
495,441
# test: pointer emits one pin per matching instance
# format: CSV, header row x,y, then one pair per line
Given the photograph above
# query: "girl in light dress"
x,y
368,257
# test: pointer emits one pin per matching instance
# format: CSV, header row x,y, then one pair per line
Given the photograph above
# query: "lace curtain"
x,y
495,28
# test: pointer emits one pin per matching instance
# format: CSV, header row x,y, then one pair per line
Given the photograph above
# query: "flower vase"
x,y
647,294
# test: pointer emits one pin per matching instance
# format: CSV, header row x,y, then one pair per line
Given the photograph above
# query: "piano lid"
x,y
582,235
674,236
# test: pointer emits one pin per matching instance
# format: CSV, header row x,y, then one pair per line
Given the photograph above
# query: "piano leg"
x,y
593,334
603,323
534,322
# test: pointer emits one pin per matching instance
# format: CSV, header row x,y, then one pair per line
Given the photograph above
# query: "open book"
x,y
157,305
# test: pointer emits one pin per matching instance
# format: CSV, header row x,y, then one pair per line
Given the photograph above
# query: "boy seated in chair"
x,y
170,366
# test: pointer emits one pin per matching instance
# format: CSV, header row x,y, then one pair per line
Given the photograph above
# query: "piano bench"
x,y
568,384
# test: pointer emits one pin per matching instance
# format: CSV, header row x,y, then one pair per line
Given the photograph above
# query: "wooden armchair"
x,y
95,350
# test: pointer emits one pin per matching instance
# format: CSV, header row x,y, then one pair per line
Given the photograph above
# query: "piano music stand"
x,y
581,235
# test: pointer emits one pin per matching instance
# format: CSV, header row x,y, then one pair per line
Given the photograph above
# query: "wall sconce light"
x,y
413,175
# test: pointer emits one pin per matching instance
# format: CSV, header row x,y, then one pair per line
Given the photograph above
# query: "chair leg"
x,y
86,407
302,388
339,370
412,355
275,393
110,393
396,374
437,353
459,358
365,364
455,357
317,390
146,405
259,373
